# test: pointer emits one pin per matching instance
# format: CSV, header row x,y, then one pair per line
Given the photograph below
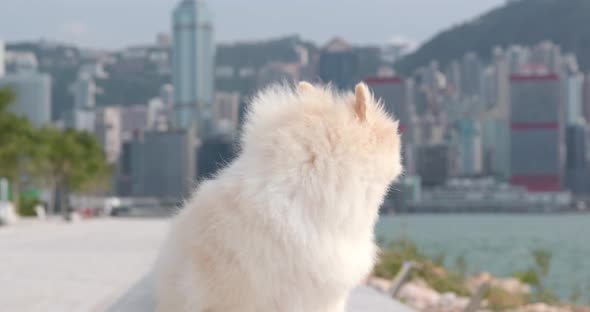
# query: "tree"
x,y
71,161
16,144
6,98
92,172
63,161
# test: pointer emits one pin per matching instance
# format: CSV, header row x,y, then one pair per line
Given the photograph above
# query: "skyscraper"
x,y
497,123
453,74
84,90
502,83
395,93
192,63
577,165
488,87
586,100
167,95
471,74
339,64
537,136
496,145
517,57
546,54
469,146
159,164
2,69
33,96
82,115
573,98
108,131
226,110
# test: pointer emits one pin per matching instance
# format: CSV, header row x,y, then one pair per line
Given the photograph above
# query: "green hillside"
x,y
526,22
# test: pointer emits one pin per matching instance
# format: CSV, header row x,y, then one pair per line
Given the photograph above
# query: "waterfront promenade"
x,y
97,265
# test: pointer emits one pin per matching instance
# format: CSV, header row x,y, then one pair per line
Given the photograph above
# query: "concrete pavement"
x,y
97,265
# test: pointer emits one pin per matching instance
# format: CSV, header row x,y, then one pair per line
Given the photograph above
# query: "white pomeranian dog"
x,y
288,225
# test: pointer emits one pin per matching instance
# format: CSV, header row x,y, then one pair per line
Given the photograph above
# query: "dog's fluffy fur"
x,y
287,226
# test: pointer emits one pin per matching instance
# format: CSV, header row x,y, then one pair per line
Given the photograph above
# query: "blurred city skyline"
x,y
479,100
85,23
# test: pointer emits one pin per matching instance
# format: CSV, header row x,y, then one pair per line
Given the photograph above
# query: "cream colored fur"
x,y
287,226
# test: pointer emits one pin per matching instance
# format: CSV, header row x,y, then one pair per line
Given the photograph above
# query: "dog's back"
x,y
288,225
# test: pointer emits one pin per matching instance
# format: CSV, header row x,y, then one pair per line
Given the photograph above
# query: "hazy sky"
x,y
118,23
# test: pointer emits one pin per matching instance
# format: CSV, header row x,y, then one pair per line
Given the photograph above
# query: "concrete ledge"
x,y
98,265
139,298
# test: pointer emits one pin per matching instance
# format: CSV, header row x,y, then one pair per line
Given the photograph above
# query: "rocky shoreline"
x,y
420,296
431,284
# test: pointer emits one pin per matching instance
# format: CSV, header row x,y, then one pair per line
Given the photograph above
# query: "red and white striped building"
x,y
537,153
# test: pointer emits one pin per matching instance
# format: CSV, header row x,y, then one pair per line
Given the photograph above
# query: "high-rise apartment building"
x,y
471,75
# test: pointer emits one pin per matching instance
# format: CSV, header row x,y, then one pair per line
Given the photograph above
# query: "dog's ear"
x,y
362,97
304,86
